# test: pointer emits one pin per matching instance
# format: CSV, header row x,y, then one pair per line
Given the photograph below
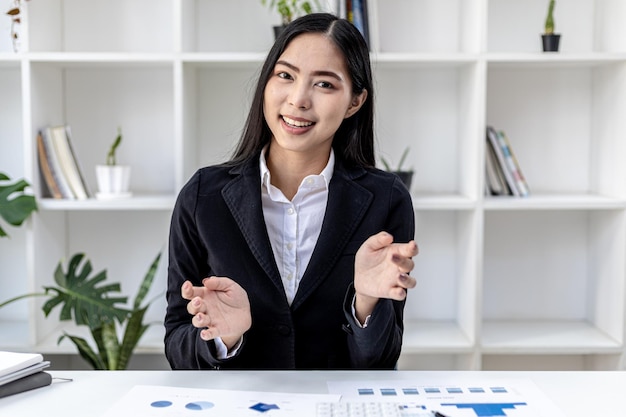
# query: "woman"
x,y
286,257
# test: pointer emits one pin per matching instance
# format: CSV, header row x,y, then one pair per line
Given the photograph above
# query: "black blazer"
x,y
218,228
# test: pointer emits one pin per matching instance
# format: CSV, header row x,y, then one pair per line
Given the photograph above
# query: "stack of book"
x,y
59,166
503,173
21,372
356,11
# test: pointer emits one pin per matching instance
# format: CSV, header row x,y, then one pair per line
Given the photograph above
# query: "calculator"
x,y
373,409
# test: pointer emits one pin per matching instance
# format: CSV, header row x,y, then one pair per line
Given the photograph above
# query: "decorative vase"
x,y
113,181
550,42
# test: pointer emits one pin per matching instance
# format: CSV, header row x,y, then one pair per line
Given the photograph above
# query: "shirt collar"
x,y
326,174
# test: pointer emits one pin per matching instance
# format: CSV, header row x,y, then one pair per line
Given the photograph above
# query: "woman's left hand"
x,y
381,270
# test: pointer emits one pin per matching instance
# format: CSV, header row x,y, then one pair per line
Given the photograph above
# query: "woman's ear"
x,y
357,102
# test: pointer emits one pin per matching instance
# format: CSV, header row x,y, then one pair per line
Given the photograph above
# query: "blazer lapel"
x,y
347,204
243,198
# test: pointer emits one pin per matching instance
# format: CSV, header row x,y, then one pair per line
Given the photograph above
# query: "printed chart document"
x,y
462,398
148,401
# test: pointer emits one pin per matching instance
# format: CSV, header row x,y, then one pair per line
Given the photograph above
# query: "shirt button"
x,y
290,210
309,181
289,246
289,276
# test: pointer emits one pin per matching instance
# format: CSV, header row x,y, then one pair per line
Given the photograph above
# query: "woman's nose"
x,y
299,96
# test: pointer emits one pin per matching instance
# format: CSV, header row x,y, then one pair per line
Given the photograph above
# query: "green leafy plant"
x,y
15,205
289,9
388,166
549,24
90,302
111,157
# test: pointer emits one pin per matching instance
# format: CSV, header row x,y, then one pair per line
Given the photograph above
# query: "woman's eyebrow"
x,y
319,72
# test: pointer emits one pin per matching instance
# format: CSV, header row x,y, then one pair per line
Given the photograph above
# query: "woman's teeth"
x,y
296,123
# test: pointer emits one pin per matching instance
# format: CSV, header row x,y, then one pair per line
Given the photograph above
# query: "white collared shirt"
x,y
294,226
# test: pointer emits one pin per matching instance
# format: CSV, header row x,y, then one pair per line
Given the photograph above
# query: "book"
x,y
27,383
54,164
15,365
60,137
495,181
492,137
511,159
48,174
360,18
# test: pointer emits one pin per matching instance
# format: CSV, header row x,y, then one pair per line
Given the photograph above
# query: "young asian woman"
x,y
296,253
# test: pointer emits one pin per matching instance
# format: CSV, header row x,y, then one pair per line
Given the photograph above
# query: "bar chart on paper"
x,y
484,398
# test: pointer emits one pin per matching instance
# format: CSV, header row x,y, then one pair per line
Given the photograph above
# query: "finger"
x,y
195,306
209,333
188,291
408,249
217,283
407,281
378,241
404,265
201,320
397,293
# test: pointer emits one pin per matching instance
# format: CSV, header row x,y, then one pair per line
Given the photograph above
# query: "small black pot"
x,y
277,30
406,177
550,42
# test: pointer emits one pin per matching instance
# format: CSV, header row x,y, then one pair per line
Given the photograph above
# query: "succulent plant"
x,y
549,25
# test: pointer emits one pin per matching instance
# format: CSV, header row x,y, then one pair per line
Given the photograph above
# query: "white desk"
x,y
577,394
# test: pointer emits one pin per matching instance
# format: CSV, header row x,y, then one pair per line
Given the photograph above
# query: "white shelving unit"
x,y
503,283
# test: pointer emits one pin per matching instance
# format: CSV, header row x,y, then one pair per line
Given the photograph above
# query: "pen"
x,y
438,414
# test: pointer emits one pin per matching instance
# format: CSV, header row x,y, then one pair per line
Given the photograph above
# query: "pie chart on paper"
x,y
199,405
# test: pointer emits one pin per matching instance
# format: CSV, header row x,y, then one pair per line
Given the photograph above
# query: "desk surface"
x,y
91,393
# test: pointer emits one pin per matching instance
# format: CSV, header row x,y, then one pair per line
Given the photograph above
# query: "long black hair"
x,y
354,140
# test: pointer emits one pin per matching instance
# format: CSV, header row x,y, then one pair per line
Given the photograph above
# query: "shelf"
x,y
545,60
99,59
434,337
539,336
554,202
138,202
501,281
443,202
391,60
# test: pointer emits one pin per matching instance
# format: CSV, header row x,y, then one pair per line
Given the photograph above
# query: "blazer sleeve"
x,y
184,349
378,345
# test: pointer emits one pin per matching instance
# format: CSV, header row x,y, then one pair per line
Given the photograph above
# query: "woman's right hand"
x,y
220,307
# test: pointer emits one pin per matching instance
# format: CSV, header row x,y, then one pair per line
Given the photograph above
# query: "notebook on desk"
x,y
16,365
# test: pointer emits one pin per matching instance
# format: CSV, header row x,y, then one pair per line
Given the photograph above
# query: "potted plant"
x,y
290,9
15,205
405,175
550,39
89,301
113,179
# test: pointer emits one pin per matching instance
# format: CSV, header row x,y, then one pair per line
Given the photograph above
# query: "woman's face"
x,y
308,95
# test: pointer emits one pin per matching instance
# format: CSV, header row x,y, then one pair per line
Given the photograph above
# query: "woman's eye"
x,y
324,84
283,75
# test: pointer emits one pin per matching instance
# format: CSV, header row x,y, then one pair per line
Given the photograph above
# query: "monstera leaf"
x,y
89,301
15,205
82,298
92,306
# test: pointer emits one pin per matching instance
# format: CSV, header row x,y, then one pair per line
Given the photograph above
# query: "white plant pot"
x,y
113,181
